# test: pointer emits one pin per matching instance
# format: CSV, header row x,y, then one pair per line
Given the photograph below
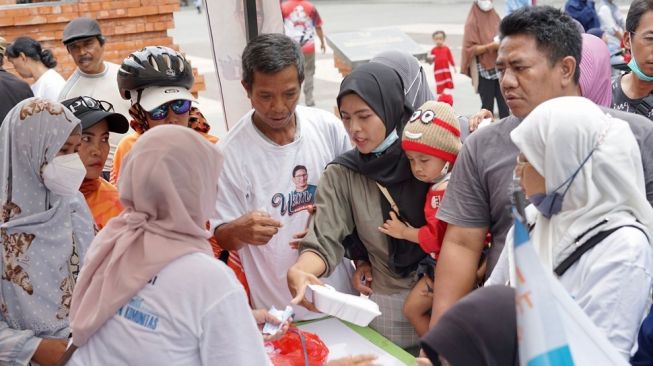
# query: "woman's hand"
x,y
298,281
362,278
360,360
262,316
394,227
49,351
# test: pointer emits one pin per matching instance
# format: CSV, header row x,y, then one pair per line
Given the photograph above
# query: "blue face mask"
x,y
550,204
392,137
635,68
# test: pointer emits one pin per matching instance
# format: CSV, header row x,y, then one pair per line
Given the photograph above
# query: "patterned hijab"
x,y
43,235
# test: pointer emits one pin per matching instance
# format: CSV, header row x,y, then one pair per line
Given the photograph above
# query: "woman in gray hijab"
x,y
416,87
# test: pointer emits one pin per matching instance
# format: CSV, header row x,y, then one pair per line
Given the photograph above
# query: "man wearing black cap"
x,y
98,119
12,89
93,77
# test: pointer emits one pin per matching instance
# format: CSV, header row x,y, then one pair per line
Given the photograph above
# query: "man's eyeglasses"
x,y
90,103
180,106
647,38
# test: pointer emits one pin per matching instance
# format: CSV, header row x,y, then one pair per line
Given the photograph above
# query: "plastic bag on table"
x,y
298,348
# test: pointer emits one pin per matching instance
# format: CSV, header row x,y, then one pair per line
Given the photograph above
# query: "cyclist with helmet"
x,y
157,81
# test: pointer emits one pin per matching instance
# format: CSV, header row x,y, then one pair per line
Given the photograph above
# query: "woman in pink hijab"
x,y
151,292
595,71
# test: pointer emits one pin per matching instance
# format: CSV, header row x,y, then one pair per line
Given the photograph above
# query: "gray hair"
x,y
271,53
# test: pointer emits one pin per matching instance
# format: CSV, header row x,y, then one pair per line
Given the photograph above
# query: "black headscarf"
x,y
481,329
381,88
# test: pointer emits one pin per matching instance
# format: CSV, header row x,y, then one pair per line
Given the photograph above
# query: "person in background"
x,y
595,72
45,229
584,12
613,24
442,60
31,61
12,89
98,120
94,77
480,54
631,92
512,5
413,77
302,22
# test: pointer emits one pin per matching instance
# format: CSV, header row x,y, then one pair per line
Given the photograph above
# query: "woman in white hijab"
x,y
582,170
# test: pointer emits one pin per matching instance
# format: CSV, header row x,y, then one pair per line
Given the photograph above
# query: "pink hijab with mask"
x,y
595,71
168,188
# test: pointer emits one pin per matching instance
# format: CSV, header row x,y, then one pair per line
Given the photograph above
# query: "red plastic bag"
x,y
291,351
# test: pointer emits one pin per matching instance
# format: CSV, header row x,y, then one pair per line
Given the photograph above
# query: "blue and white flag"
x,y
552,329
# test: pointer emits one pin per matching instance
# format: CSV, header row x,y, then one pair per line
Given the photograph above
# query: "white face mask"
x,y
64,174
485,5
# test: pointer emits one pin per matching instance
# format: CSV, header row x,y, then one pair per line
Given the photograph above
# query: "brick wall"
x,y
128,25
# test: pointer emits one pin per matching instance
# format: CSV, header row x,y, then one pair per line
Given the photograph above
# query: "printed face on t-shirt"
x,y
301,180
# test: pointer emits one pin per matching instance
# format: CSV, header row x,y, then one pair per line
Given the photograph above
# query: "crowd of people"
x,y
126,224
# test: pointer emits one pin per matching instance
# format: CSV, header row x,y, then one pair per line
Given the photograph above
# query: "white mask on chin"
x,y
64,174
485,5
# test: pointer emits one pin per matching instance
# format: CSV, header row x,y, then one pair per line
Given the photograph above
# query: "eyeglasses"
x,y
90,103
647,38
179,106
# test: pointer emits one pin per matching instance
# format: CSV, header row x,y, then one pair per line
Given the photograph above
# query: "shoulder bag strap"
x,y
589,244
388,197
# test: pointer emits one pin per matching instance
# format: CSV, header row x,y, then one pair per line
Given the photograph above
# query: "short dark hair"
x,y
635,12
439,32
31,48
269,54
554,32
298,168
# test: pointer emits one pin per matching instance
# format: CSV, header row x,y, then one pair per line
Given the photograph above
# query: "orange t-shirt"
x,y
103,200
125,146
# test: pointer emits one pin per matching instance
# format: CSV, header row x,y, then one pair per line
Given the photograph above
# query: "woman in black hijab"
x,y
480,330
350,198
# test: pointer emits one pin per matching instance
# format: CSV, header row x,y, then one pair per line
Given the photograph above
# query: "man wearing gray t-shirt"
x,y
538,60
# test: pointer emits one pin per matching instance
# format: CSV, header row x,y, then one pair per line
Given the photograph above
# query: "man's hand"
x,y
255,228
298,281
394,227
360,360
49,352
323,47
362,278
262,316
476,119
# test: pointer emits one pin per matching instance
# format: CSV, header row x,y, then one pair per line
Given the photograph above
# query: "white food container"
x,y
354,309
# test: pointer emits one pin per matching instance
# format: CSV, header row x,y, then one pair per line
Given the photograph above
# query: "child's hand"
x,y
394,227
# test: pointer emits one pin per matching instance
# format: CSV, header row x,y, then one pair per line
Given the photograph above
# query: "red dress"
x,y
443,58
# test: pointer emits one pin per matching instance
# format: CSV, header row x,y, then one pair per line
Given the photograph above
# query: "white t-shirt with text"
x,y
258,176
194,312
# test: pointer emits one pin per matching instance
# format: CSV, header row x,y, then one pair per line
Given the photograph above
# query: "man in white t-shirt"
x,y
93,77
258,208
